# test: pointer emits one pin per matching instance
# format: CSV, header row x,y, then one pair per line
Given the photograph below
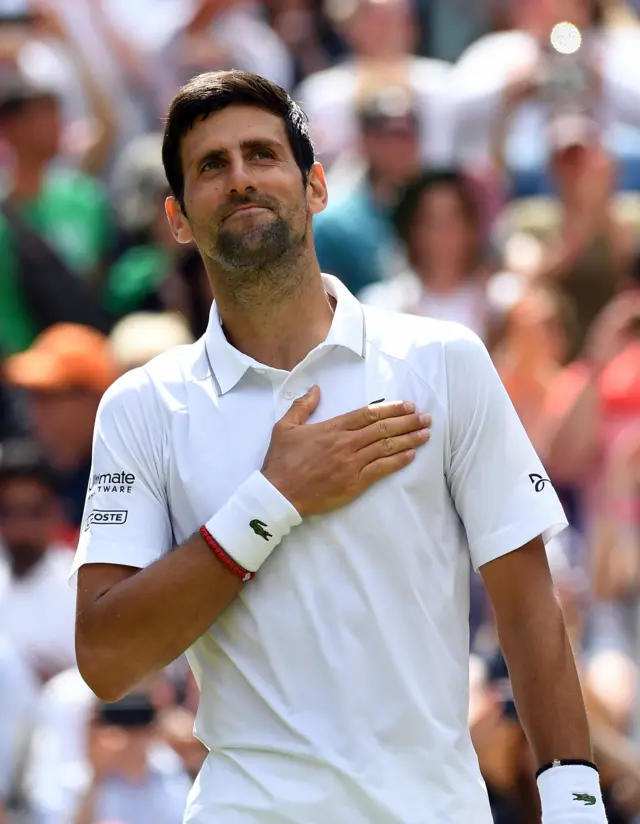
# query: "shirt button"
x,y
289,394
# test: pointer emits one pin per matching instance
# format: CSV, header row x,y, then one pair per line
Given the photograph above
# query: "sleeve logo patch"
x,y
259,527
538,482
120,482
106,516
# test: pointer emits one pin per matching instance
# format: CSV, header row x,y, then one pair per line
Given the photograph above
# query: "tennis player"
x,y
295,500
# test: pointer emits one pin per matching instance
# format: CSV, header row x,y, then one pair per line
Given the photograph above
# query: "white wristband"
x,y
253,522
571,794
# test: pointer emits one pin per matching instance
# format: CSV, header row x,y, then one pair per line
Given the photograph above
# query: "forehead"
x,y
227,129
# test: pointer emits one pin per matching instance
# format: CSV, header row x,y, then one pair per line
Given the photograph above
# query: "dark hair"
x,y
409,200
213,91
22,460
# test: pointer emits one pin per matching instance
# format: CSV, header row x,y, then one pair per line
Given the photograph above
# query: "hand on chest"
x,y
219,441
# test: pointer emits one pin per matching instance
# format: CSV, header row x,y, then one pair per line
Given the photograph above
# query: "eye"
x,y
211,165
263,154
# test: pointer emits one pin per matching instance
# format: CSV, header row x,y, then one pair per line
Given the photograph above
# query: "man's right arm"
x,y
133,622
140,606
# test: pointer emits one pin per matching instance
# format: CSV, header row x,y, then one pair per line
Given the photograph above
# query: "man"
x,y
66,210
133,777
381,36
517,68
355,238
333,668
65,373
36,607
19,689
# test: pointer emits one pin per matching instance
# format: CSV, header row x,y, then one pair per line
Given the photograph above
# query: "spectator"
x,y
221,34
58,770
55,226
37,608
584,249
503,751
19,691
438,220
588,408
533,350
596,396
47,55
56,767
154,273
513,67
382,36
139,337
131,780
65,373
354,236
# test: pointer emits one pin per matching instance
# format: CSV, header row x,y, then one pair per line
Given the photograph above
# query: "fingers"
x,y
367,415
387,428
388,447
382,467
302,408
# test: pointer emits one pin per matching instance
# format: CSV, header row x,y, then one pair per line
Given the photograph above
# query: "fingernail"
x,y
425,434
410,453
409,407
425,419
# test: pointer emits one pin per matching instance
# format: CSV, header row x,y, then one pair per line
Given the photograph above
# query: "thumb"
x,y
302,408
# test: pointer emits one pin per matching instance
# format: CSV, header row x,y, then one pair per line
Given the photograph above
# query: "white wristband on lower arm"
x,y
571,794
253,522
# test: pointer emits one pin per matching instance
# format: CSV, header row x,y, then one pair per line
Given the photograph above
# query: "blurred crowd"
x,y
483,162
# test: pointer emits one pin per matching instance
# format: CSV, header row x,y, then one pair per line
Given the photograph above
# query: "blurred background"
x,y
484,167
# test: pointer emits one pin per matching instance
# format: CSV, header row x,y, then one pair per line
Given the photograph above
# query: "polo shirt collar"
x,y
227,365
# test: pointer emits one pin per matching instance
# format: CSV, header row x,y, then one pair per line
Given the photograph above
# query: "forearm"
x,y
546,686
147,620
96,155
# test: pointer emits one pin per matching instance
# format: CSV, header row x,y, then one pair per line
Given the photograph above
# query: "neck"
x,y
278,317
27,178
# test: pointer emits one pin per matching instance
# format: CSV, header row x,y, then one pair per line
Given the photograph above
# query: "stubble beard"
x,y
259,266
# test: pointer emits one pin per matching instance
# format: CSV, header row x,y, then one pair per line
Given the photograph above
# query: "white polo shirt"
x,y
334,689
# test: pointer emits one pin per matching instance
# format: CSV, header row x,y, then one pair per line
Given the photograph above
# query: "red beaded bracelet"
x,y
225,559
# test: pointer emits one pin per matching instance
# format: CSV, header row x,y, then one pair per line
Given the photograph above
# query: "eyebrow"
x,y
257,143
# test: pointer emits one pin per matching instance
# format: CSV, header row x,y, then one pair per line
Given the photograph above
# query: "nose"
x,y
239,178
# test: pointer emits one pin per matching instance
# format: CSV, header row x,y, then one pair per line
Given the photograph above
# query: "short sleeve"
x,y
126,517
498,484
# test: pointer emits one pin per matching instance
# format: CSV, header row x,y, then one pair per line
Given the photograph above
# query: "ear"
x,y
180,227
317,194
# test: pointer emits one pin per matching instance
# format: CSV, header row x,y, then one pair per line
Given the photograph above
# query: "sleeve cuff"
x,y
513,537
112,553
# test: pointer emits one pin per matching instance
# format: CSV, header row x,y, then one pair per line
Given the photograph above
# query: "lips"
x,y
248,207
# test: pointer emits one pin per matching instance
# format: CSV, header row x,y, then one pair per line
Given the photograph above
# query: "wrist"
x,y
570,791
252,523
284,488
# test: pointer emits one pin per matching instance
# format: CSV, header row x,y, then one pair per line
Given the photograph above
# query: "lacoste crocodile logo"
x,y
259,527
589,800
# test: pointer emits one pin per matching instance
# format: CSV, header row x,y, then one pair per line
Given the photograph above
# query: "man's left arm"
x,y
536,648
510,510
